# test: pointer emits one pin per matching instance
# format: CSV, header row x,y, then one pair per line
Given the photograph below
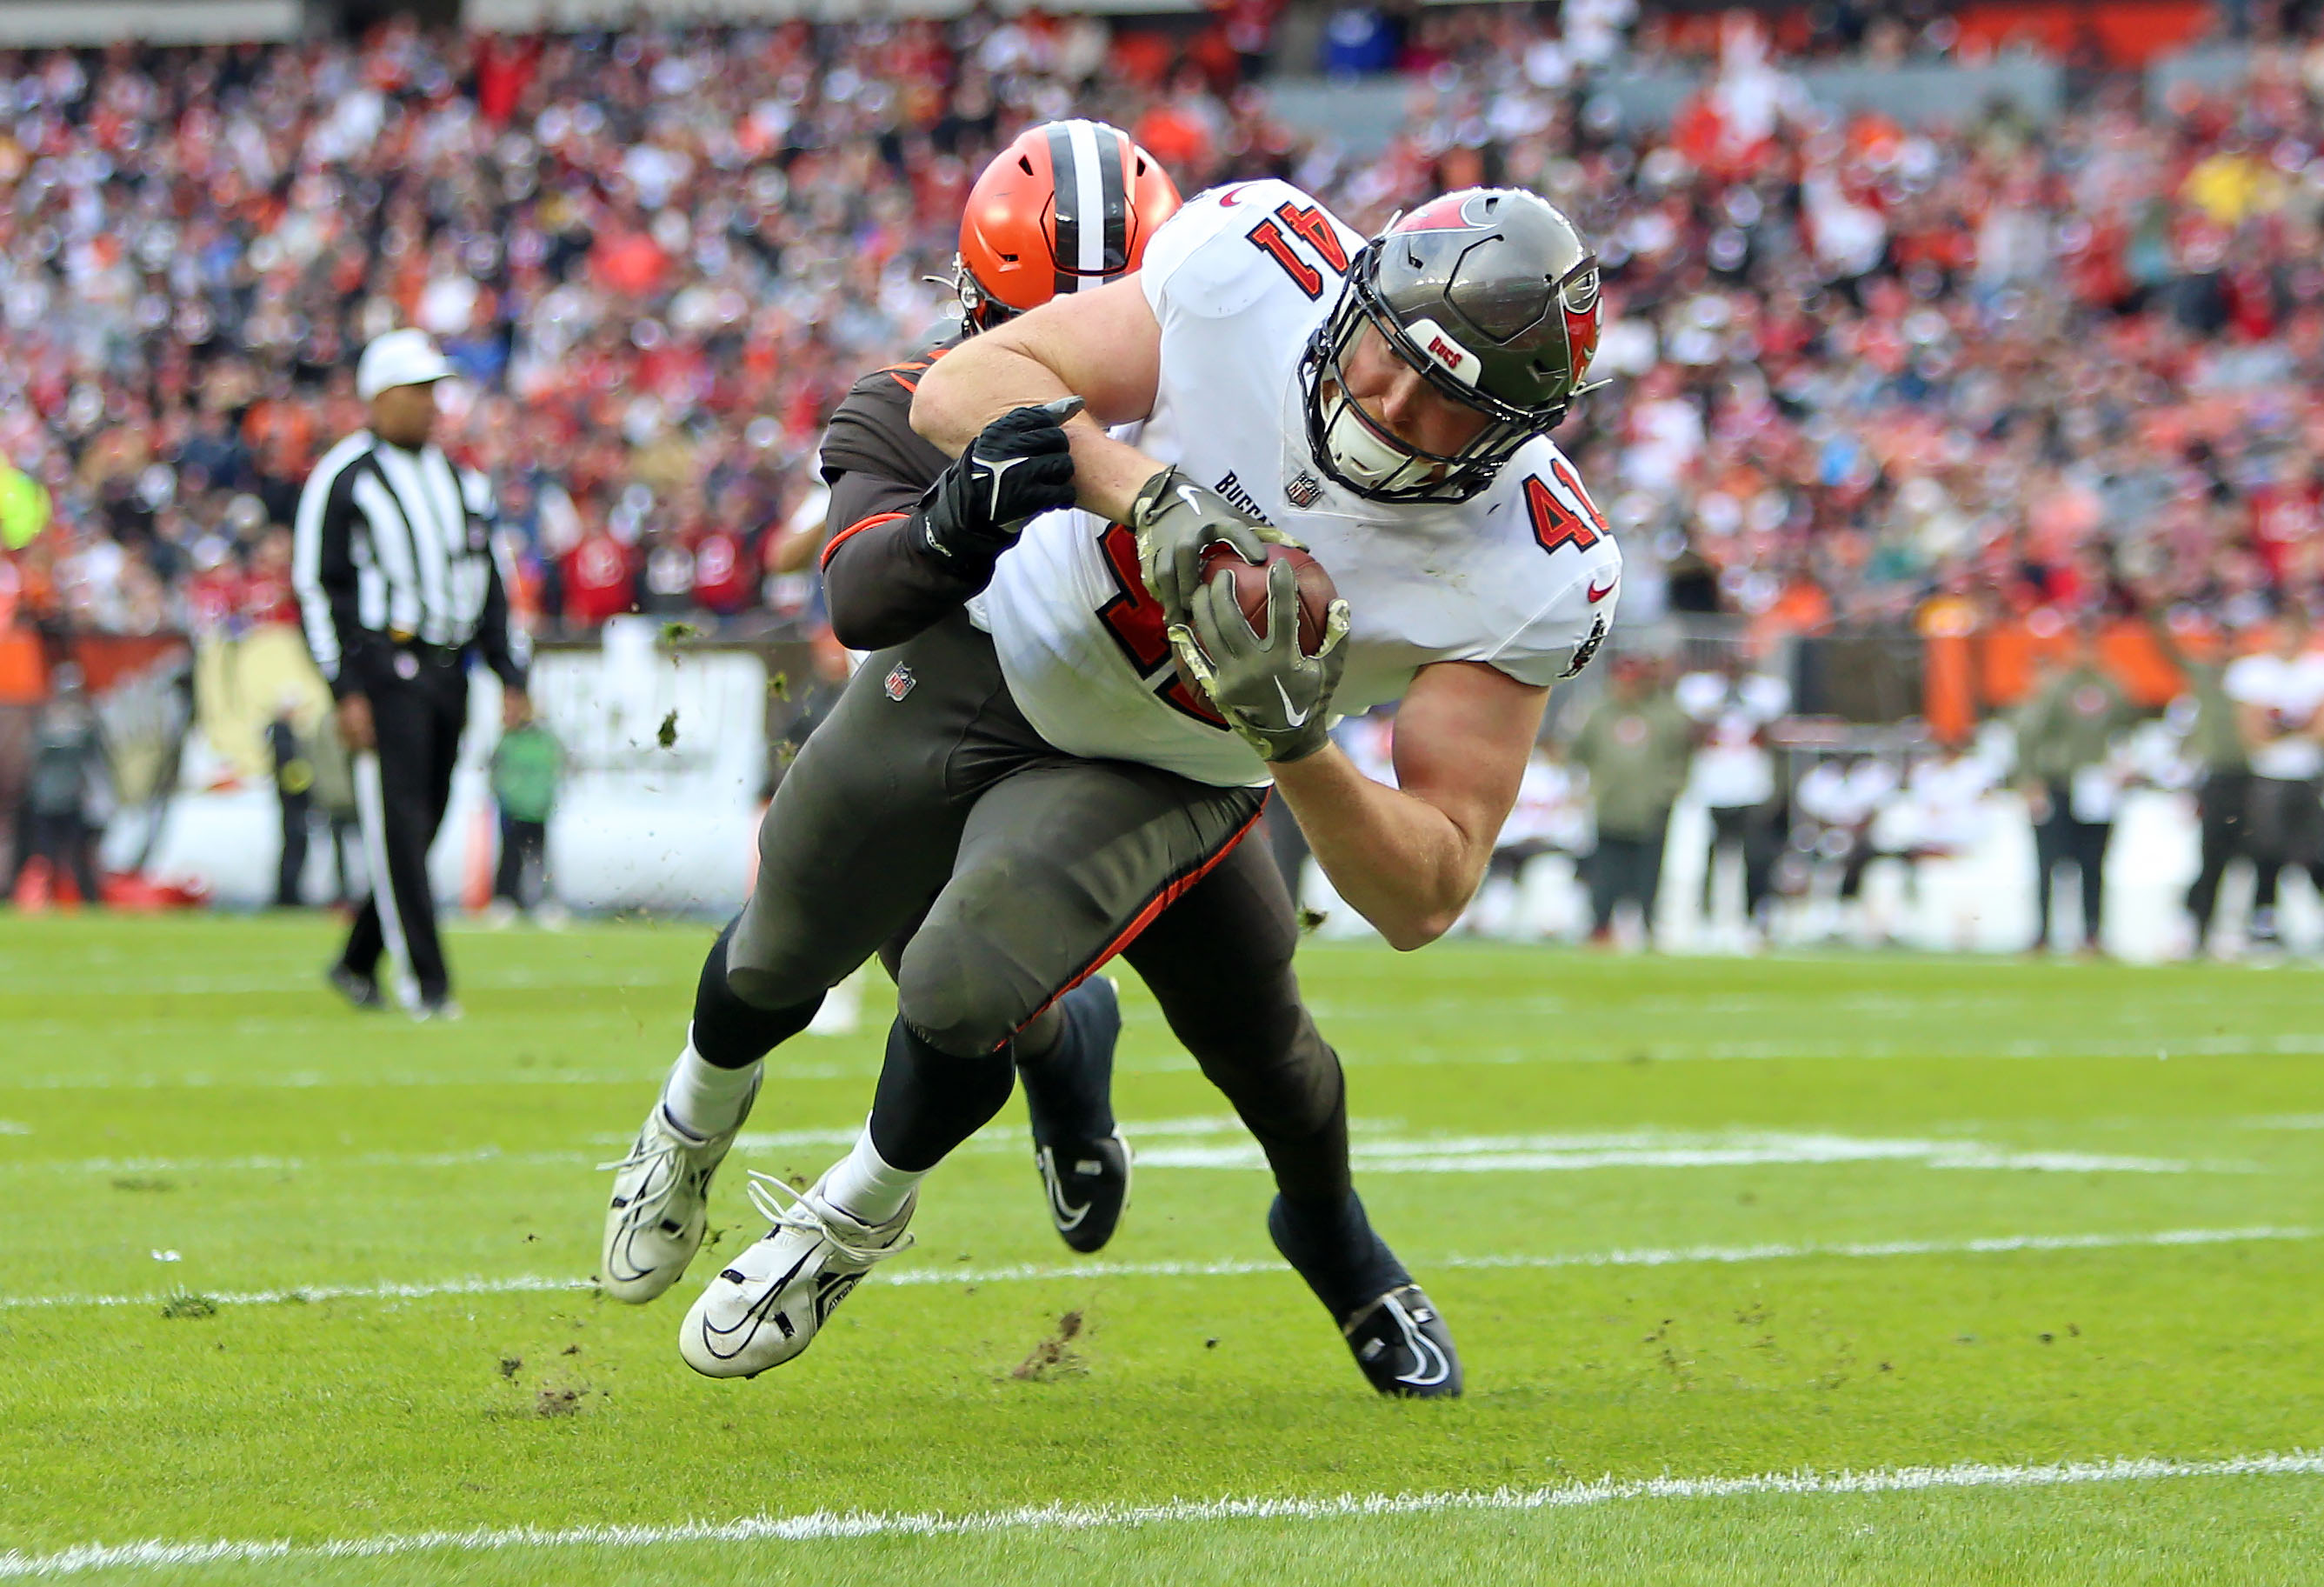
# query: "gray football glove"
x,y
1173,519
1274,694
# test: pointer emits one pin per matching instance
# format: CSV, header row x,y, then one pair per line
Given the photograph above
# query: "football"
x,y
1316,591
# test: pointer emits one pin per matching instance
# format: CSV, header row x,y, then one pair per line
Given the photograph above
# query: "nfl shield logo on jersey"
x,y
899,682
1304,491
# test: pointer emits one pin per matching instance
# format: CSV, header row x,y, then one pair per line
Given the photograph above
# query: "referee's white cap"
x,y
398,358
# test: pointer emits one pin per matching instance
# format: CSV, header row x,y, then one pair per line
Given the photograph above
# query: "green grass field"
x,y
2032,1249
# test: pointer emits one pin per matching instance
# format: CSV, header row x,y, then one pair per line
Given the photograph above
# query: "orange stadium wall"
x,y
1969,673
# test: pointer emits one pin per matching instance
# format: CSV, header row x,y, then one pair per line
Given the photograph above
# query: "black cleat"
x,y
1399,1339
1403,1346
360,991
1088,1185
1083,1160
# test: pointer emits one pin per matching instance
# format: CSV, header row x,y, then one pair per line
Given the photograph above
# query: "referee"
x,y
397,583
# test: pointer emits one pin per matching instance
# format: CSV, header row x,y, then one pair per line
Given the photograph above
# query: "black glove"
x,y
1176,521
1019,466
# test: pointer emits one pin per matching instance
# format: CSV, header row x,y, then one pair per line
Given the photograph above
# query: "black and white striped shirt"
x,y
393,547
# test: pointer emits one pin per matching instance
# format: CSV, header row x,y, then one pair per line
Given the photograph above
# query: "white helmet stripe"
x,y
1089,201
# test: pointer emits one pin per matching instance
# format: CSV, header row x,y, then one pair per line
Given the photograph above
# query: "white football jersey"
x,y
1522,577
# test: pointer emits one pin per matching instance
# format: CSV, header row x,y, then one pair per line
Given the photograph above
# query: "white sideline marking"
x,y
1649,1257
11,1127
826,1525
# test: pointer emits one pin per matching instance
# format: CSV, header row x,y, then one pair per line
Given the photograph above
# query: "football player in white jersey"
x,y
1038,765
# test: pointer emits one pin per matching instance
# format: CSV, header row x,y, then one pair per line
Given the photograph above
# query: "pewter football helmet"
x,y
1491,295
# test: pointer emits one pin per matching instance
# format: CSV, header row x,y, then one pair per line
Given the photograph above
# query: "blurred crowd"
x,y
1862,374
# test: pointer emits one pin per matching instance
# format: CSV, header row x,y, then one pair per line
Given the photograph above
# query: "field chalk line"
x,y
1649,1256
826,1525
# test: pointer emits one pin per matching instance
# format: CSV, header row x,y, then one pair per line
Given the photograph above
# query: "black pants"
x,y
524,874
402,792
1750,830
1627,868
2220,804
298,815
65,842
2061,839
2284,827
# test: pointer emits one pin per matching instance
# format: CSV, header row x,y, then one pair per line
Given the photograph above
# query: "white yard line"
x,y
1659,1148
1607,1051
521,1284
826,1525
1610,1050
995,1138
1645,1256
314,1080
1377,1150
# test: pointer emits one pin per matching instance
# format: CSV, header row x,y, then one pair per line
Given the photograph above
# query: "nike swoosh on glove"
x,y
1019,466
1175,519
1273,694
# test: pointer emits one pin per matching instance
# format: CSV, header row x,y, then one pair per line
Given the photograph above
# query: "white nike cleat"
x,y
766,1307
660,1206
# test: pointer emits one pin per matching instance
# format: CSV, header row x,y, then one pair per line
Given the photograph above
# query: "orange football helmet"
x,y
1068,205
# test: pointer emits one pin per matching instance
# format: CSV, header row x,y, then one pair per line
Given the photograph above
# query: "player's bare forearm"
x,y
1103,347
1399,862
1408,859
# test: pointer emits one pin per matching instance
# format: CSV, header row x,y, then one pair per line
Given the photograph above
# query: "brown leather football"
x,y
1316,591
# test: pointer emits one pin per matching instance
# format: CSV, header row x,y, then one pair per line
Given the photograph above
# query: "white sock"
x,y
703,1098
866,1186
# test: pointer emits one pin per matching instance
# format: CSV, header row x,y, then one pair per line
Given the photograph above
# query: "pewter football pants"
x,y
926,790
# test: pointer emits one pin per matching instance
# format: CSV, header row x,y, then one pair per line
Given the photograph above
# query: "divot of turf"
x,y
1055,1357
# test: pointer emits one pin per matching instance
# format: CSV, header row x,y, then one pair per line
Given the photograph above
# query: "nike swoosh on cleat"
x,y
1065,1216
753,1319
1422,1375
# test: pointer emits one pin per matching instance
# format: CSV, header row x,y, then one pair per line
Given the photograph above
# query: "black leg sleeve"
x,y
730,1033
930,1101
1219,962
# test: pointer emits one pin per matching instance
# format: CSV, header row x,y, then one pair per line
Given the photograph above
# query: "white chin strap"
x,y
1370,462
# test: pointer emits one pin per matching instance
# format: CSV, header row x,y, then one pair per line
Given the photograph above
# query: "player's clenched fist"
x,y
1271,691
1174,519
1019,466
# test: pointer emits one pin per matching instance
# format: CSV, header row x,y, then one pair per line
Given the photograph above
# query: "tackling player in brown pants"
x,y
1068,205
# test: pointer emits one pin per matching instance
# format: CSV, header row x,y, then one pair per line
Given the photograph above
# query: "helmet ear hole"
x,y
1025,164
